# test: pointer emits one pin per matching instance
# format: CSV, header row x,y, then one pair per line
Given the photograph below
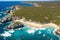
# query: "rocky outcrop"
x,y
16,7
9,12
15,27
57,32
7,20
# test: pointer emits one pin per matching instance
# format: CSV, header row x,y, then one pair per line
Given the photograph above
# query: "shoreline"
x,y
31,24
17,8
37,25
41,26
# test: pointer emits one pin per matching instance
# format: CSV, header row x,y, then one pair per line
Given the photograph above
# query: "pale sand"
x,y
37,25
17,7
37,5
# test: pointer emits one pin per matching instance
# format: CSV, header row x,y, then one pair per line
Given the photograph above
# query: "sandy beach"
x,y
37,25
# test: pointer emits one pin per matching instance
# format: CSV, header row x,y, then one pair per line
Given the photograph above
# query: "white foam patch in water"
x,y
31,31
4,38
11,31
51,39
5,13
42,28
44,35
39,32
38,28
19,28
49,31
54,31
6,34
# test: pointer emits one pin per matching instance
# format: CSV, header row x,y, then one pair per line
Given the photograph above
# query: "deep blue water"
x,y
7,6
25,33
4,5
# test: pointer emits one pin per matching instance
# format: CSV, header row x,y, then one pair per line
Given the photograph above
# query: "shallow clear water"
x,y
25,33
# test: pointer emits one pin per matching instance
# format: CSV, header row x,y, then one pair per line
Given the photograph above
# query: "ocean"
x,y
26,33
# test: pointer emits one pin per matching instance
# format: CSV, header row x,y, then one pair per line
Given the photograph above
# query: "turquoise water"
x,y
26,33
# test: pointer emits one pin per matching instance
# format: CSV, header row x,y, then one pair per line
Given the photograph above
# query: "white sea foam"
x,y
4,13
51,39
19,29
54,31
49,30
6,34
37,28
42,28
39,32
44,35
31,31
11,31
4,38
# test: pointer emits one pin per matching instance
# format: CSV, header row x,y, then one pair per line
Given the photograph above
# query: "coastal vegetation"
x,y
16,23
44,14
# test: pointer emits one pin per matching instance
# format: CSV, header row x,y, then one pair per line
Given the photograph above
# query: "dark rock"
x,y
19,26
8,11
15,27
7,20
57,32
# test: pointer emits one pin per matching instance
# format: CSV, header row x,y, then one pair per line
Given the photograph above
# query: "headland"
x,y
32,17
